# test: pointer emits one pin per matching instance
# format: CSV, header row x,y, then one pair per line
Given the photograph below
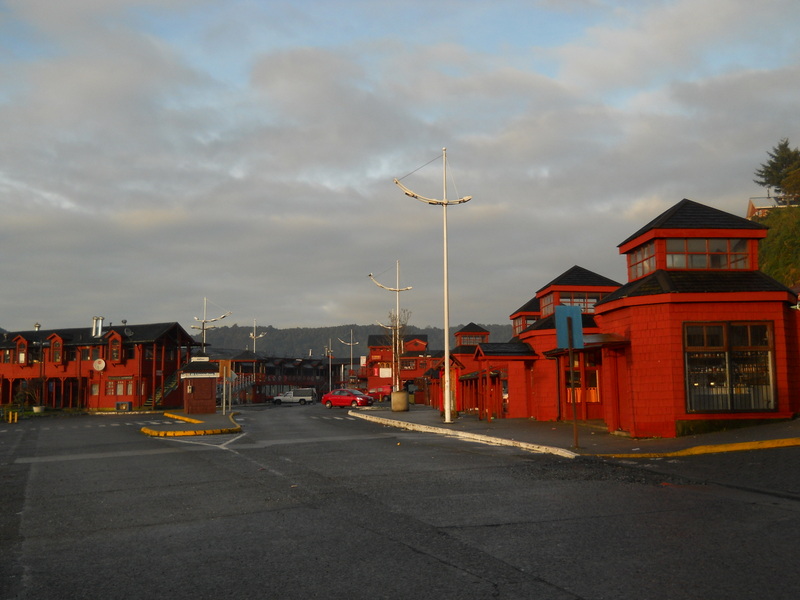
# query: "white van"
x,y
296,396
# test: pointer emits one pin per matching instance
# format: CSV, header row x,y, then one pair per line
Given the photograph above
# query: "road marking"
x,y
95,455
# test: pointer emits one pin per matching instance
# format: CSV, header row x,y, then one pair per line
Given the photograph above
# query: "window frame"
x,y
726,373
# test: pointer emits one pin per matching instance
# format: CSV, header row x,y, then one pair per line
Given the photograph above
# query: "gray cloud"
x,y
156,153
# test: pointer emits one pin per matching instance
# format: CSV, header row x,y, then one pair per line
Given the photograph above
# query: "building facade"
x,y
124,367
698,338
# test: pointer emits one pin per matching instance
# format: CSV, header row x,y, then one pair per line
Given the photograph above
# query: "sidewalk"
x,y
534,436
558,437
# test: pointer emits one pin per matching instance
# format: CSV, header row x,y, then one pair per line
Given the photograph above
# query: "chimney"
x,y
97,327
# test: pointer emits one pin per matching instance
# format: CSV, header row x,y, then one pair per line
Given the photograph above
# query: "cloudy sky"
x,y
158,152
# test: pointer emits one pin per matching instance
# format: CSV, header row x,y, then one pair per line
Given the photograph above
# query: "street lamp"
x,y
351,344
203,327
255,337
444,203
395,328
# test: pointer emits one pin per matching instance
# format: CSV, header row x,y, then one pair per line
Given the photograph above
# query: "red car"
x,y
346,397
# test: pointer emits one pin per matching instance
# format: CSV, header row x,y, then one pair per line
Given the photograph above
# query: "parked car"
x,y
346,397
296,396
382,393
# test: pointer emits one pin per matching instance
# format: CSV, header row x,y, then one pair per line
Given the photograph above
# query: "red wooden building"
x,y
697,338
123,367
414,364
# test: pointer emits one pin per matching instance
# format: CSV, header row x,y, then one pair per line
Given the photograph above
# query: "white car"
x,y
296,396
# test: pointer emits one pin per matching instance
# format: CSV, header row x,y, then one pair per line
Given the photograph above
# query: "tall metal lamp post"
x,y
395,327
203,327
351,343
444,203
254,336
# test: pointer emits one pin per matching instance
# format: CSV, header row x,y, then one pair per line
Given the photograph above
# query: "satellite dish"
x,y
128,331
99,364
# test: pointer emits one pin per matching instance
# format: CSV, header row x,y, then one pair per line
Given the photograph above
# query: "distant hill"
x,y
300,341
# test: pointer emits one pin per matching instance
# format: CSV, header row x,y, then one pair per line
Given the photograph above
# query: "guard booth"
x,y
199,381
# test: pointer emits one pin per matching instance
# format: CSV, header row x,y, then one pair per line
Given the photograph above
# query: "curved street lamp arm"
x,y
416,196
380,285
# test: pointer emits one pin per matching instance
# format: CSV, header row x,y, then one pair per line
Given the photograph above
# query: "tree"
x,y
782,161
779,252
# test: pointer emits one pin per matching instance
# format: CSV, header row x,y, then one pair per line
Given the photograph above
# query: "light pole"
x,y
395,328
203,327
351,344
444,203
255,337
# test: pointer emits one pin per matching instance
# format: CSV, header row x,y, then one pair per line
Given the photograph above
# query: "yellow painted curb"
x,y
178,433
154,433
713,449
182,418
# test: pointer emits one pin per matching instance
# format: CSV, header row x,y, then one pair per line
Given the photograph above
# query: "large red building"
x,y
122,367
697,338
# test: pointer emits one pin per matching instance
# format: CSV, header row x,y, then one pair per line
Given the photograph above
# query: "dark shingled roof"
x,y
690,282
549,322
82,336
688,214
531,306
506,349
578,276
472,328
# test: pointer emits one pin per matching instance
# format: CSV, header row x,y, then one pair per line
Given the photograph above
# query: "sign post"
x,y
569,334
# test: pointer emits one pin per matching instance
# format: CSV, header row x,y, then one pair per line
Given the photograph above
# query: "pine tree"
x,y
783,160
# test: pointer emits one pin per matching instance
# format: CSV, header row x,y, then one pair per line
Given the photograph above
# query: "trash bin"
x,y
399,401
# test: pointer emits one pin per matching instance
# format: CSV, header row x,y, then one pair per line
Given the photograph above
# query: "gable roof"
x,y
579,277
703,282
472,328
688,214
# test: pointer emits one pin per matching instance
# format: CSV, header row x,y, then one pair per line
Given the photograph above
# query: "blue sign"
x,y
564,312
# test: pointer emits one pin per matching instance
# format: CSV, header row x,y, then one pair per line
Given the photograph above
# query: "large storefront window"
x,y
729,367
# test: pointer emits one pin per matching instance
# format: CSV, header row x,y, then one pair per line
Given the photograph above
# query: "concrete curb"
x,y
473,437
181,433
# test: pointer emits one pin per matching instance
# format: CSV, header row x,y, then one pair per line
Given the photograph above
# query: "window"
x,y
547,305
471,340
642,261
115,350
519,325
729,367
408,364
56,351
586,300
713,254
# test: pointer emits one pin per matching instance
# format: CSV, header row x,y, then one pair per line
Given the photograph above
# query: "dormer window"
x,y
711,254
115,354
642,261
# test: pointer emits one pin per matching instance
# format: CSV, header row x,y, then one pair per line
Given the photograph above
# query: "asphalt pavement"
x,y
535,436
